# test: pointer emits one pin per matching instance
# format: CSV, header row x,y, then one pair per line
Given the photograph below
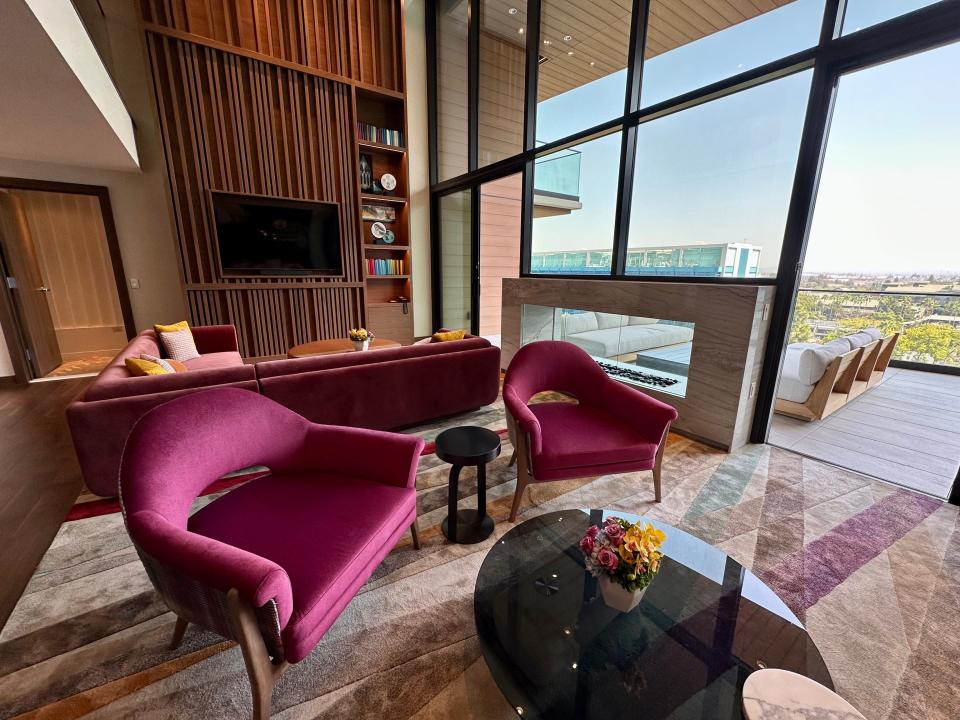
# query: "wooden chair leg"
x,y
415,532
179,629
513,459
658,463
523,474
262,672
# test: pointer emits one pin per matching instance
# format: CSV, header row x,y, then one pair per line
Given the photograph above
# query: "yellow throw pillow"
x,y
182,325
139,368
447,336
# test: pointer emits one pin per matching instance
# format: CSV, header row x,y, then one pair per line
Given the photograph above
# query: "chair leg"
x,y
179,629
513,459
523,474
262,672
415,532
658,463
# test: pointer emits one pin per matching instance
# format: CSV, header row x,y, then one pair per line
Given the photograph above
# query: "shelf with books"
x,y
380,147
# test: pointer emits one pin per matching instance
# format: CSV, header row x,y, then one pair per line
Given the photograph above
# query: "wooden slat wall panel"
x,y
357,39
234,124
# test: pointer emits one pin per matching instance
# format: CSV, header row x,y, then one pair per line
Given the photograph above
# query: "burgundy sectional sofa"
x,y
379,389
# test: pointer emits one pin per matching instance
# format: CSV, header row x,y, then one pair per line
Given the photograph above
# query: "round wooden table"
x,y
337,345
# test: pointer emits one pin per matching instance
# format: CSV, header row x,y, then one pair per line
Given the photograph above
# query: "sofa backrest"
x,y
574,323
807,362
275,368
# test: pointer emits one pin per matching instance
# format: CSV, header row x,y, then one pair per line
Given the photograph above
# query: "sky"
x,y
723,171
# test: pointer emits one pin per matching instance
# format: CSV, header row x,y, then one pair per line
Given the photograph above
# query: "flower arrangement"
x,y
360,334
627,554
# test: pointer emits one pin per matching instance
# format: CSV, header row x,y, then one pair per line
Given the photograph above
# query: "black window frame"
x,y
834,55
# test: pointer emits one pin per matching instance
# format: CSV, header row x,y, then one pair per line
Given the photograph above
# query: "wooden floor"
x,y
39,481
905,431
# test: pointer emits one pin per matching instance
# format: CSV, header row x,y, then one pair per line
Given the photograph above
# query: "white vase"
x,y
359,345
618,597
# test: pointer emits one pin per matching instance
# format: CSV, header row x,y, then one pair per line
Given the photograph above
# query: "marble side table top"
x,y
783,695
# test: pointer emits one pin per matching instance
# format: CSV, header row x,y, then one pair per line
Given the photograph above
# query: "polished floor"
x,y
87,365
906,430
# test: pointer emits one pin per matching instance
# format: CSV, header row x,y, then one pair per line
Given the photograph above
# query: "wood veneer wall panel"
x,y
359,40
234,124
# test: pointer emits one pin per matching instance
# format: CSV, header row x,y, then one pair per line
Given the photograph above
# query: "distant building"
x,y
717,260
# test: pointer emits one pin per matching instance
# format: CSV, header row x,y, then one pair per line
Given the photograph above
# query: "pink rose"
x,y
612,520
614,534
587,544
607,559
593,531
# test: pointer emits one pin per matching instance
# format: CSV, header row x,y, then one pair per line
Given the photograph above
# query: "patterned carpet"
x,y
873,571
83,366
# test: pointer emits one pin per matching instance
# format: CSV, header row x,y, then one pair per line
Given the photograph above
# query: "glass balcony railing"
x,y
929,325
559,174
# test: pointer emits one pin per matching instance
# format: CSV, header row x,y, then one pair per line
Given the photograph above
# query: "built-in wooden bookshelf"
x,y
389,312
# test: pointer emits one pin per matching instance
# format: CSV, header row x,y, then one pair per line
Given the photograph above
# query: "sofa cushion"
x,y
214,360
609,320
630,338
806,362
794,390
874,333
860,339
327,532
635,320
579,322
576,436
179,345
447,335
138,367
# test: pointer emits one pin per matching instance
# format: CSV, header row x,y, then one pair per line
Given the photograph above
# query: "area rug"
x,y
873,572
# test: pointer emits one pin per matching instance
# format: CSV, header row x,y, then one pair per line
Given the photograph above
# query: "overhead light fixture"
x,y
520,31
546,42
569,52
512,11
592,63
567,38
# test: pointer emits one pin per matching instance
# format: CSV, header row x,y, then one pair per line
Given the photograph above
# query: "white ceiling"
x,y
57,102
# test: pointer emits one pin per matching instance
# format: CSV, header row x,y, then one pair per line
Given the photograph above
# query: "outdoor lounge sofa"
x,y
816,380
609,335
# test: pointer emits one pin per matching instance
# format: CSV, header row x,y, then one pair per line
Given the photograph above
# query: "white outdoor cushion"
x,y
807,362
634,320
631,338
609,320
858,339
579,322
874,333
793,390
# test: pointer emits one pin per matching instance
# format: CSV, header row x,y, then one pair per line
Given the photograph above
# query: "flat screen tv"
x,y
266,236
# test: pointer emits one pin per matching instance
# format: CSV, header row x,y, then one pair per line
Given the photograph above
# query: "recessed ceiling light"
x,y
512,11
592,63
546,42
520,31
567,38
569,52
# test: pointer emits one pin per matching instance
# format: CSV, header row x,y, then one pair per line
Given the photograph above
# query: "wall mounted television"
x,y
271,236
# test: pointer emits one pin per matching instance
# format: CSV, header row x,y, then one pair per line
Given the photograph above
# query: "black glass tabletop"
x,y
556,650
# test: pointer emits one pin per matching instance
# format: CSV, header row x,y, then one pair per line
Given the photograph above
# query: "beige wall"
x,y
418,164
139,200
6,364
500,210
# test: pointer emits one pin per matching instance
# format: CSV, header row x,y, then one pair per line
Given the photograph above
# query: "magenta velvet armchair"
x,y
612,428
272,563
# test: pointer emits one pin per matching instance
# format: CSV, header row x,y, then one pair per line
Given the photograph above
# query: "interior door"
x,y
30,292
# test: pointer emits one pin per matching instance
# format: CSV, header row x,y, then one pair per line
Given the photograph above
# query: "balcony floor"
x,y
906,430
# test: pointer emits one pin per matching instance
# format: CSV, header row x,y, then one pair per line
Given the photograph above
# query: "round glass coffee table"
x,y
556,650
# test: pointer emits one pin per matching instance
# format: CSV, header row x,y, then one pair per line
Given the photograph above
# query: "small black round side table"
x,y
468,446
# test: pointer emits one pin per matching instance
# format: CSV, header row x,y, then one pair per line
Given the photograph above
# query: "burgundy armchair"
x,y
272,563
612,428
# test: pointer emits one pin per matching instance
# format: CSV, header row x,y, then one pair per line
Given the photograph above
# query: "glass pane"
x,y
502,79
864,13
455,260
574,204
687,48
886,218
500,205
583,60
713,183
451,89
641,351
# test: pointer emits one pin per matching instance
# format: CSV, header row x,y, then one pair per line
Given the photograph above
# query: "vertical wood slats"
x,y
234,124
357,39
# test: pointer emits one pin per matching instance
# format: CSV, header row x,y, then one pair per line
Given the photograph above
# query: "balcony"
x,y
556,184
906,430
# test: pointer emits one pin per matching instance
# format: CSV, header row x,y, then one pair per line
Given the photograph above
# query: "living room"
x,y
479,358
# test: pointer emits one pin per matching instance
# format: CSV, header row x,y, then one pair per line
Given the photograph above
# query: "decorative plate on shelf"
x,y
388,182
379,230
389,237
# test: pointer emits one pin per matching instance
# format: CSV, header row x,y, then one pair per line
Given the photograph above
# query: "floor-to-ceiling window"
x,y
656,140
